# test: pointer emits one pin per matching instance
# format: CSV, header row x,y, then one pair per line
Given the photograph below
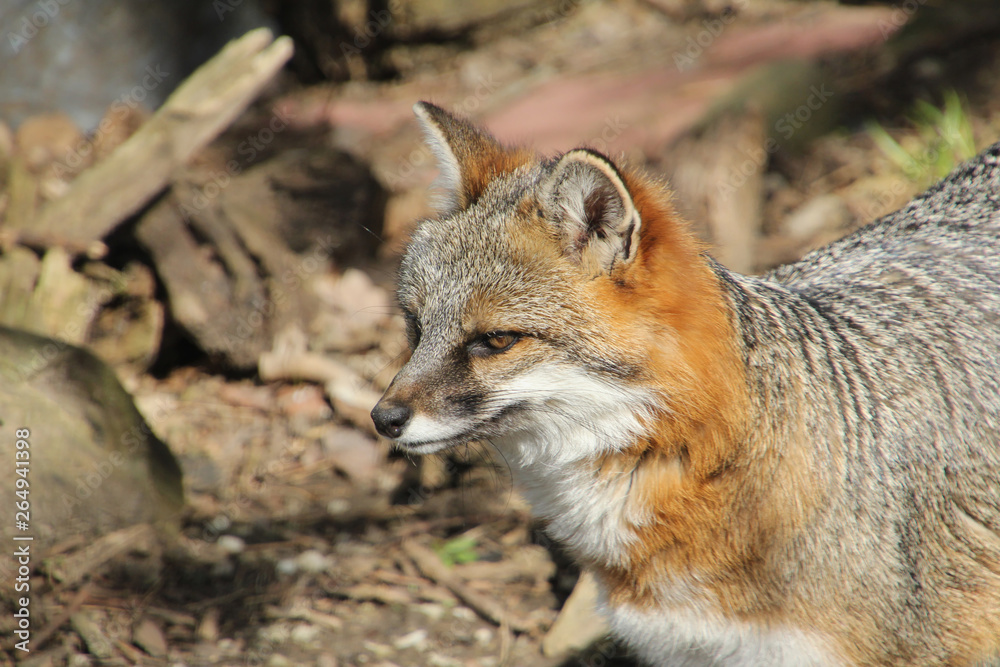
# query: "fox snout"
x,y
421,413
391,418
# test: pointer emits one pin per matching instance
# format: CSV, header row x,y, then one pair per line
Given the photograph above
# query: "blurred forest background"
x,y
198,238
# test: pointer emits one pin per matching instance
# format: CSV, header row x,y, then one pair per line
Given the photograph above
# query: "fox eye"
x,y
501,341
494,342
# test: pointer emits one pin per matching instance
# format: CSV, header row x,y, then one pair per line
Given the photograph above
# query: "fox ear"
x,y
597,219
468,157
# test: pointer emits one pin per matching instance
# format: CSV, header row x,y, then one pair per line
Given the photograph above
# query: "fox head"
x,y
555,307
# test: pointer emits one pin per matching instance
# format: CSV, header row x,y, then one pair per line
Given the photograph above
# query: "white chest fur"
x,y
688,636
582,513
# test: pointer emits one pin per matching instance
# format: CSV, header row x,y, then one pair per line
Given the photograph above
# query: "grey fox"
x,y
801,468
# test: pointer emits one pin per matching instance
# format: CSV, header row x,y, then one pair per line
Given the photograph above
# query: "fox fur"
x,y
800,468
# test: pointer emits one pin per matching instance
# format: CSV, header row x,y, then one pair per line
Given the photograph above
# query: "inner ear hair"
x,y
594,208
434,122
469,158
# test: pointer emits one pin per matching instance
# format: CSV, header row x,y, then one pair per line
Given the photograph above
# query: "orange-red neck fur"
x,y
686,475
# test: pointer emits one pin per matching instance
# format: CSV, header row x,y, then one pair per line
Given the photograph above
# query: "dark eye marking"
x,y
493,342
413,329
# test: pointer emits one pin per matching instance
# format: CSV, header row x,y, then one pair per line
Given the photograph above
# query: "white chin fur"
x,y
425,435
427,447
573,416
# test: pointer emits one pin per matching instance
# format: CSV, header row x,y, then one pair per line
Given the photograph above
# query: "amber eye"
x,y
500,341
493,342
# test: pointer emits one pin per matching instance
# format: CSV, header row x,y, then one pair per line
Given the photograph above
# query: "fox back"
x,y
801,468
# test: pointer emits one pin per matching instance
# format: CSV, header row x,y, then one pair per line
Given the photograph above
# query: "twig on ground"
x,y
431,567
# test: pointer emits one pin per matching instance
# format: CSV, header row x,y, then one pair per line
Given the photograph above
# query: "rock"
x,y
95,465
231,544
82,57
483,636
305,634
312,561
286,567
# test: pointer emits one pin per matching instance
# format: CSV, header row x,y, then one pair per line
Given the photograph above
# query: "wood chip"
x,y
208,628
148,636
172,616
375,593
98,644
303,613
132,653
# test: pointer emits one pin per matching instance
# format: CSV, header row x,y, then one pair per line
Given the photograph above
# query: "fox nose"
x,y
390,418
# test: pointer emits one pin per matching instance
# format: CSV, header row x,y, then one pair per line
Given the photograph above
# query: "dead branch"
x,y
201,107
